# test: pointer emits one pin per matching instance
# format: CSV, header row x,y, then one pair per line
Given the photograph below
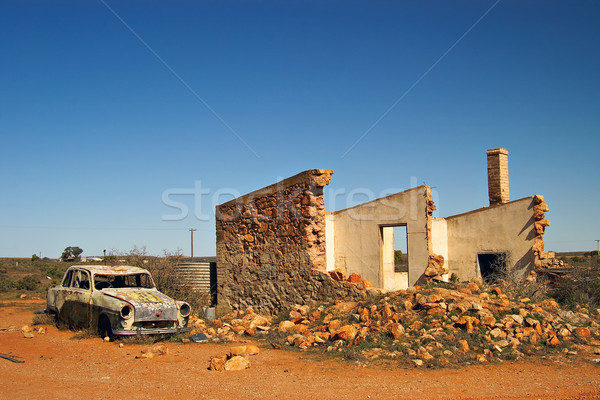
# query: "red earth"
x,y
59,366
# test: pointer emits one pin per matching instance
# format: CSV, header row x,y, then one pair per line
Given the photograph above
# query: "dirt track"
x,y
57,366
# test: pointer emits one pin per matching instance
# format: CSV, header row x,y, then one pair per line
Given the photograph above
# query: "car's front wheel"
x,y
104,328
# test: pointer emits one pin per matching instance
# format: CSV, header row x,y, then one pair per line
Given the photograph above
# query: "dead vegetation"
x,y
165,275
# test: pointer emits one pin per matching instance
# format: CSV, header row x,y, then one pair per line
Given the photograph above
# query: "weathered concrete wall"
x,y
439,237
358,234
505,228
271,247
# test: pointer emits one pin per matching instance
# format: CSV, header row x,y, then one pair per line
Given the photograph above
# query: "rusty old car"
x,y
115,301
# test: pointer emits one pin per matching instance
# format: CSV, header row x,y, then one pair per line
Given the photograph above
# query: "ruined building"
x,y
276,245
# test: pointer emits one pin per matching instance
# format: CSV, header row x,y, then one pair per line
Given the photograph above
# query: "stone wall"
x,y
271,250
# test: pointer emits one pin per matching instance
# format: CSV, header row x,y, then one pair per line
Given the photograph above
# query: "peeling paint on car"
x,y
87,299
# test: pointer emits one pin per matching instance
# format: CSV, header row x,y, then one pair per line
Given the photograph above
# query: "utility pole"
x,y
598,243
192,230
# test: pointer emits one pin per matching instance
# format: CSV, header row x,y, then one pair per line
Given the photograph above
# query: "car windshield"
x,y
141,280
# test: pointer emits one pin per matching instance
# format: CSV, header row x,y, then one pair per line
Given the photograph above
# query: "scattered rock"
x,y
217,363
417,362
252,349
237,363
238,351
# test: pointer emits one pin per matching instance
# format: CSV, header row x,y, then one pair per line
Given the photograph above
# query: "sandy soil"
x,y
60,367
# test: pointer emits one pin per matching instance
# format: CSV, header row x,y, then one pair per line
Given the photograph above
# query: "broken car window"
x,y
123,281
67,279
82,280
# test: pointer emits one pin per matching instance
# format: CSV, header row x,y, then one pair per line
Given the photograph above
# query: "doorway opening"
x,y
491,266
394,257
400,249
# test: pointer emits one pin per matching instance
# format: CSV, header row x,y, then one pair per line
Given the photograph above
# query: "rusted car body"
x,y
116,300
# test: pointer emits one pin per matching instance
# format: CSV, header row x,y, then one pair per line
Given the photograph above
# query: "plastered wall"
x,y
358,234
506,228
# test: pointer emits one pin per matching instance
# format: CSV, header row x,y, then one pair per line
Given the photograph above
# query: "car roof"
x,y
111,269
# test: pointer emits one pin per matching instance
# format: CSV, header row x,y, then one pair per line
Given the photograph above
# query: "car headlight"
x,y
126,311
184,309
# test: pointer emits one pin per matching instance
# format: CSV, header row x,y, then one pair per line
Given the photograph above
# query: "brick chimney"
x,y
497,166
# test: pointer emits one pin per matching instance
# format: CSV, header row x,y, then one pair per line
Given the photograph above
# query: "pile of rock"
x,y
440,324
354,280
236,360
420,326
231,325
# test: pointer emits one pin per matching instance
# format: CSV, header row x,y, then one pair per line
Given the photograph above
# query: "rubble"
x,y
236,360
423,326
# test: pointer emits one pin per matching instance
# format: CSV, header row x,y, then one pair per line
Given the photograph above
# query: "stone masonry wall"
x,y
271,247
497,166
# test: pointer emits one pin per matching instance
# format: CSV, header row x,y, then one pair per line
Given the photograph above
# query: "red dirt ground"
x,y
60,367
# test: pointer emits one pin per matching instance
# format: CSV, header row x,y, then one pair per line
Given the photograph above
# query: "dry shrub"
x,y
165,275
515,283
580,286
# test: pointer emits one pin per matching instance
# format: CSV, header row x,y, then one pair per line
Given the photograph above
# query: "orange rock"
x,y
465,290
386,313
368,284
334,325
488,320
337,275
238,350
250,332
434,298
217,363
534,338
464,345
286,326
553,340
301,342
252,349
528,331
396,330
237,363
473,287
415,326
354,278
582,332
364,314
346,332
315,315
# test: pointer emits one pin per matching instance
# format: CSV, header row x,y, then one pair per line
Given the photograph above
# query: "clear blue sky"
x,y
96,129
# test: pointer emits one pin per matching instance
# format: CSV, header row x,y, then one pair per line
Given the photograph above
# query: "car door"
x,y
78,300
57,295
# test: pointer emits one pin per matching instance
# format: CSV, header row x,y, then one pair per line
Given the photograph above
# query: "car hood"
x,y
149,304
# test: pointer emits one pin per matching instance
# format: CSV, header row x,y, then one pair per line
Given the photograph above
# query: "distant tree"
x,y
71,253
398,257
34,257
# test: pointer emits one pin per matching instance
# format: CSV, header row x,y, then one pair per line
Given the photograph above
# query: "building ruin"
x,y
277,246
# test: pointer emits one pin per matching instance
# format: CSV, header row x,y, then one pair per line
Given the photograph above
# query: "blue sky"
x,y
98,127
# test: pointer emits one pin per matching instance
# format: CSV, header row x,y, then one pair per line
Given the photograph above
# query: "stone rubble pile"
x,y
424,326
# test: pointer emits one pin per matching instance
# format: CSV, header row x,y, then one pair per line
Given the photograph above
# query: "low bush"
x,y
6,285
29,282
581,286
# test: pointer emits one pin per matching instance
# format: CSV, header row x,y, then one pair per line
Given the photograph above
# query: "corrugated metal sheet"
x,y
195,274
200,276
